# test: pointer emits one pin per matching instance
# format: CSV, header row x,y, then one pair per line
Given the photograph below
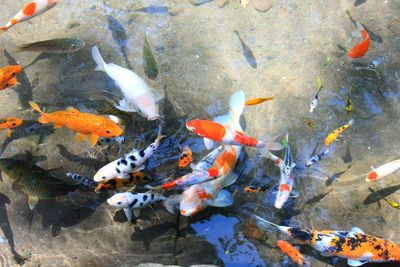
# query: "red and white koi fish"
x,y
361,48
356,246
383,171
32,9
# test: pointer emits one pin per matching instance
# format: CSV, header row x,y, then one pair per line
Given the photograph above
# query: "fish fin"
x,y
230,179
123,106
263,223
357,230
236,106
157,95
193,166
274,146
57,126
224,120
350,122
209,143
354,263
35,106
72,109
356,33
80,137
93,139
128,214
8,132
32,202
294,194
115,119
137,212
306,261
124,176
101,65
171,202
223,199
140,168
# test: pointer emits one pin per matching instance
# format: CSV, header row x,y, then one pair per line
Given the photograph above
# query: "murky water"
x,y
201,63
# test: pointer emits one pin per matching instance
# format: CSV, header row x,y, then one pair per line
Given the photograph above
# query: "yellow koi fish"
x,y
336,133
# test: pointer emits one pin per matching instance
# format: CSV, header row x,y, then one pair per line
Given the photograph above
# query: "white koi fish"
x,y
137,95
383,171
32,9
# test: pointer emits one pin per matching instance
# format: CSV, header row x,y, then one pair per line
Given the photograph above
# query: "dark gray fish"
x,y
149,62
347,158
38,183
380,194
359,2
318,198
336,176
199,2
374,37
55,46
118,33
153,10
89,162
248,54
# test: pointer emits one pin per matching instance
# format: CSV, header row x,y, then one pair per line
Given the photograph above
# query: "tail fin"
x,y
35,106
98,59
236,106
264,224
351,122
171,202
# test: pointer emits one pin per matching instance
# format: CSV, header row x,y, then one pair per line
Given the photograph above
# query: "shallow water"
x,y
200,65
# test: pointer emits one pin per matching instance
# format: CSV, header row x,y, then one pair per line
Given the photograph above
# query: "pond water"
x,y
205,51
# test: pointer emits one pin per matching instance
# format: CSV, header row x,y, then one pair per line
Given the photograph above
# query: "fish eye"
x,y
13,73
108,131
73,46
103,177
119,203
13,124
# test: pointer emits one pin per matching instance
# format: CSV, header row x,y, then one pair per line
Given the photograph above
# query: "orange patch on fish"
x,y
360,49
292,252
250,189
8,76
185,158
284,187
29,9
203,195
372,176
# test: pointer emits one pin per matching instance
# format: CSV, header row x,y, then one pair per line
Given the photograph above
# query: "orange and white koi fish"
x,y
9,123
361,48
383,171
185,157
32,9
293,253
117,183
80,122
336,133
356,246
256,101
8,76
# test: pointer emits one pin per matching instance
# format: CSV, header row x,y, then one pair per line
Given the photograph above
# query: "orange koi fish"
x,y
9,123
80,122
293,253
336,133
8,76
185,158
32,9
354,245
360,49
256,101
117,183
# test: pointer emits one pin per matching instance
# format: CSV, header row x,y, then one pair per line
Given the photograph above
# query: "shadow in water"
x,y
89,162
6,228
149,234
24,91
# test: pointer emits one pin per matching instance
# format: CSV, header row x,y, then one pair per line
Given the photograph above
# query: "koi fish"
x,y
9,123
315,101
392,203
383,171
361,48
80,122
287,179
356,246
256,101
336,133
208,160
131,162
255,189
8,76
185,157
310,123
56,46
108,140
137,95
130,200
293,253
84,183
378,61
199,196
32,9
117,183
317,157
149,61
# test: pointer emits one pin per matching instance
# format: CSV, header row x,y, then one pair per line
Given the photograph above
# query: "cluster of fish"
x,y
206,184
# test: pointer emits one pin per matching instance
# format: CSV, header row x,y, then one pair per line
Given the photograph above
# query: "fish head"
x,y
372,176
148,106
196,126
10,72
106,172
12,167
13,122
120,200
51,3
74,45
109,129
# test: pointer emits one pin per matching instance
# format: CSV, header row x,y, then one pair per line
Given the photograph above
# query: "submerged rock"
x,y
262,5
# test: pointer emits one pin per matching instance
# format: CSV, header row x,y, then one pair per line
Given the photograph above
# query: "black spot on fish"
x,y
133,203
141,153
112,182
144,197
133,165
378,247
123,161
300,234
141,204
118,171
132,157
152,196
118,163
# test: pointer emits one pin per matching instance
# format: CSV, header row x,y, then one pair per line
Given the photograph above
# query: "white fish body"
x,y
138,97
383,171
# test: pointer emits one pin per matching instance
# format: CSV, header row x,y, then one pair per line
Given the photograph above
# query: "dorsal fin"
x,y
72,109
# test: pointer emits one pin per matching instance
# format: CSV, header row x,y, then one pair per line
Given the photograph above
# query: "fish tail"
x,y
264,224
359,26
350,122
306,261
171,202
236,104
98,59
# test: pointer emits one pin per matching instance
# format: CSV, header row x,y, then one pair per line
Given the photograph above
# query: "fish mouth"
x,y
154,118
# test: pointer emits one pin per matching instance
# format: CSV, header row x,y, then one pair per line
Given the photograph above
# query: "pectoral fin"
x,y
357,230
128,214
8,133
137,212
209,143
57,126
157,95
93,139
32,201
355,262
73,110
223,199
80,137
123,106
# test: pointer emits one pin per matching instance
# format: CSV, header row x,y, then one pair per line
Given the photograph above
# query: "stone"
x,y
262,5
